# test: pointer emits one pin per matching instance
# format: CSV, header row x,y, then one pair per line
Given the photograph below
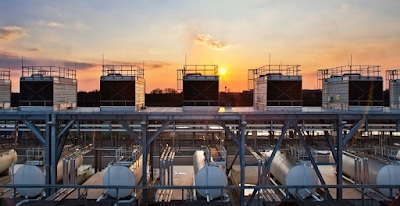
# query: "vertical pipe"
x,y
355,170
366,170
72,171
65,171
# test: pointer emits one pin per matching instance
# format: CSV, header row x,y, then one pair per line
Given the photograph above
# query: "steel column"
x,y
242,151
53,123
339,163
145,153
48,155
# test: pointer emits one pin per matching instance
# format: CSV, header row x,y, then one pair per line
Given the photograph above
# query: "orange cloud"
x,y
206,40
9,33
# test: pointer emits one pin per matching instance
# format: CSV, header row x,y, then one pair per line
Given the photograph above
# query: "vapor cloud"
x,y
49,23
205,39
9,33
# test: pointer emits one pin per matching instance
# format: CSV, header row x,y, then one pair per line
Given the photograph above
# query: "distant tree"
x,y
157,91
170,91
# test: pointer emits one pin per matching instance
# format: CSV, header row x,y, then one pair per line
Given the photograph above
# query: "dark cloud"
x,y
34,49
9,33
14,61
206,40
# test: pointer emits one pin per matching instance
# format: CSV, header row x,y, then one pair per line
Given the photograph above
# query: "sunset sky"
x,y
237,35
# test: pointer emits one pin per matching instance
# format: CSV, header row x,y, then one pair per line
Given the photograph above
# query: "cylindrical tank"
x,y
379,173
6,159
207,176
124,176
289,173
29,175
78,163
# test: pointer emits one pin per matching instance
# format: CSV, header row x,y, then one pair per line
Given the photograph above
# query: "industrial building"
x,y
201,153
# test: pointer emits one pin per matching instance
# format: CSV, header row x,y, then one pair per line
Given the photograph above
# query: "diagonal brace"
x,y
35,131
234,138
353,130
314,164
158,132
130,132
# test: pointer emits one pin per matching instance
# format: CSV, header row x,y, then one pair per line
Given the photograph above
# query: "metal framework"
x,y
236,122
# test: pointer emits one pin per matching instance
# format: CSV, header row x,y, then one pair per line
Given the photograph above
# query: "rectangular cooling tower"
x,y
353,91
122,87
48,88
5,89
277,87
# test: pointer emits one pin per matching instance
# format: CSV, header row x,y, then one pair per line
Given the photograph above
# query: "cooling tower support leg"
x,y
145,155
48,155
321,179
53,125
339,158
242,151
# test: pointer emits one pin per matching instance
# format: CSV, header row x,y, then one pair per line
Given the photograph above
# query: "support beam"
x,y
242,151
233,162
353,130
331,146
53,125
268,164
158,132
145,153
34,131
314,164
234,138
48,155
65,128
62,139
339,160
130,132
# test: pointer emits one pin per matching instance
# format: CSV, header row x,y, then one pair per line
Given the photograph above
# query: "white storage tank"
x,y
207,176
379,173
6,160
289,173
29,175
123,176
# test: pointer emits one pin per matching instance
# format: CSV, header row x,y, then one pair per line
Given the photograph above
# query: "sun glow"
x,y
222,71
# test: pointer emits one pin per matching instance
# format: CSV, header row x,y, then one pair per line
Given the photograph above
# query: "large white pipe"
x,y
6,159
208,176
